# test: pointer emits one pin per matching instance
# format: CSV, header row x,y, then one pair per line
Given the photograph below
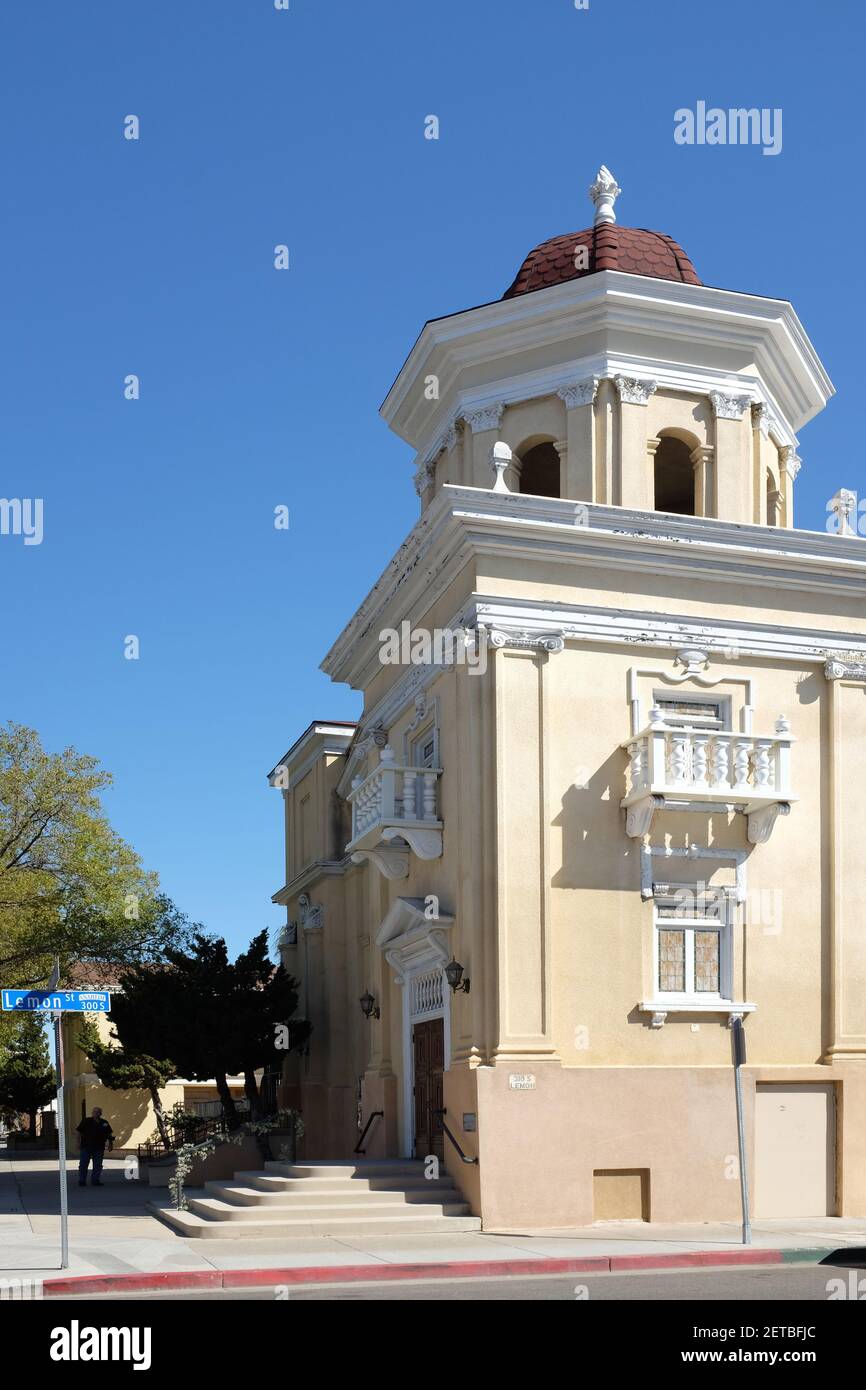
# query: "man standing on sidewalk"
x,y
94,1133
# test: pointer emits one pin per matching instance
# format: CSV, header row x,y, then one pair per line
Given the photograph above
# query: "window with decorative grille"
x,y
692,952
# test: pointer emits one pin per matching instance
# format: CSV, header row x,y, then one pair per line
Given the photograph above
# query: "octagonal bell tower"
x,y
613,375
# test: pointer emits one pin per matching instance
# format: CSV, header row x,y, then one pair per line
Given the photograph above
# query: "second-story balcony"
x,y
682,768
394,813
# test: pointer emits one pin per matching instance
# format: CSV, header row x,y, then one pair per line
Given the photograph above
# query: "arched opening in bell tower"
x,y
774,501
539,471
674,481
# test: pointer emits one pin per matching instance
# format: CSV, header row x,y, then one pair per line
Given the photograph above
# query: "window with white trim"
x,y
692,947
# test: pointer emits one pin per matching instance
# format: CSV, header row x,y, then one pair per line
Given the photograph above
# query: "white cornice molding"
x,y
462,522
676,632
693,324
320,868
536,624
315,742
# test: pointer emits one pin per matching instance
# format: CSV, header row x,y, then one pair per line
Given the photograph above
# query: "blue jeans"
x,y
93,1156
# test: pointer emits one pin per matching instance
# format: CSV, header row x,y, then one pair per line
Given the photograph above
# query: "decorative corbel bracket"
x,y
639,816
391,861
423,841
761,822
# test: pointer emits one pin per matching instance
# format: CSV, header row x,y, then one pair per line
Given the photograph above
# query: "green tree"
x,y
215,1018
263,998
27,1078
121,1069
69,885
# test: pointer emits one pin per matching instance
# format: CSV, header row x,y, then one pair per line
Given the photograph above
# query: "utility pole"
x,y
739,1040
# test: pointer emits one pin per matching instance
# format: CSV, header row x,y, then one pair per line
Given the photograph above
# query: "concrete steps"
x,y
375,1197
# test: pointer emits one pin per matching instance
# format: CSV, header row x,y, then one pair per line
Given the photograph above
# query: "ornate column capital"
x,y
790,460
551,642
845,666
451,437
485,418
634,390
311,917
578,393
728,407
425,475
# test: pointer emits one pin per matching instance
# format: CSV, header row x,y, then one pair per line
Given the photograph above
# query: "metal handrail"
x,y
192,1132
464,1156
374,1114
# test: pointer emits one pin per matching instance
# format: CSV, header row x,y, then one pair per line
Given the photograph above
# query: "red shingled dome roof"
x,y
630,249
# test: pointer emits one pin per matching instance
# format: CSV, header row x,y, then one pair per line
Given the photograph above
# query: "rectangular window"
x,y
693,711
672,961
424,749
693,946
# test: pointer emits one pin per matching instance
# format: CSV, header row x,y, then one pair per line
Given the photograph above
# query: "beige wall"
x,y
544,885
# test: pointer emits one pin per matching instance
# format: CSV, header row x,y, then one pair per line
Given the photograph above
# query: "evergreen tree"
x,y
121,1069
27,1078
214,1018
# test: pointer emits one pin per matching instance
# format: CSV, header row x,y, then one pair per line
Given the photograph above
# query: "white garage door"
x,y
795,1150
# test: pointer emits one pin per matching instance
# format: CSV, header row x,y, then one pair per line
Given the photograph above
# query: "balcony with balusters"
x,y
681,768
394,814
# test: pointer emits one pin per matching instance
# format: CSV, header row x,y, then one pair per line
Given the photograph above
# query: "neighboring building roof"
x,y
633,250
86,974
341,728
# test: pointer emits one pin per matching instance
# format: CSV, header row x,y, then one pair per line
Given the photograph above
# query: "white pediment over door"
x,y
411,939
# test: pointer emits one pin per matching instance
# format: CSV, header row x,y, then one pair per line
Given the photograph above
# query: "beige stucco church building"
x,y
606,792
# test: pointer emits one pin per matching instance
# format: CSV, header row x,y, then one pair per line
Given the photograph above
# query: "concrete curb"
x,y
108,1284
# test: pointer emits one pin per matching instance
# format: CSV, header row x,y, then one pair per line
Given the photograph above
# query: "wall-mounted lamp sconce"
x,y
454,976
369,1007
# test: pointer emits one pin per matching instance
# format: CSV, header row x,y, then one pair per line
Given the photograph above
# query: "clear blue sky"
x,y
261,387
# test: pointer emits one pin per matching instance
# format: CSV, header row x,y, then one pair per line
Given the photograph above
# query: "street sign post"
x,y
55,1002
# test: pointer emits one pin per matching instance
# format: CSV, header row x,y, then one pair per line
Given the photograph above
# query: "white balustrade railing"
x,y
392,793
710,763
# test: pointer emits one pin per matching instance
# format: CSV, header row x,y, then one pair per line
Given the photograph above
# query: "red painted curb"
x,y
382,1273
696,1259
133,1283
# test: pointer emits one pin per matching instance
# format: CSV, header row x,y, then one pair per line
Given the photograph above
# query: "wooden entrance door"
x,y
428,1052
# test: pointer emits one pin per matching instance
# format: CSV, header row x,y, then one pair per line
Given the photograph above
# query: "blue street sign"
x,y
49,1001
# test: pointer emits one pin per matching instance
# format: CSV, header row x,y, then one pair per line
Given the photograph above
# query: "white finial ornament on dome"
x,y
604,193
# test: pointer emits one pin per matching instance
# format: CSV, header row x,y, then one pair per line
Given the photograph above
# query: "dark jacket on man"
x,y
95,1134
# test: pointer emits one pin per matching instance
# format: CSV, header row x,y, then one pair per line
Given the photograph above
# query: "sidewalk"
x,y
116,1244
